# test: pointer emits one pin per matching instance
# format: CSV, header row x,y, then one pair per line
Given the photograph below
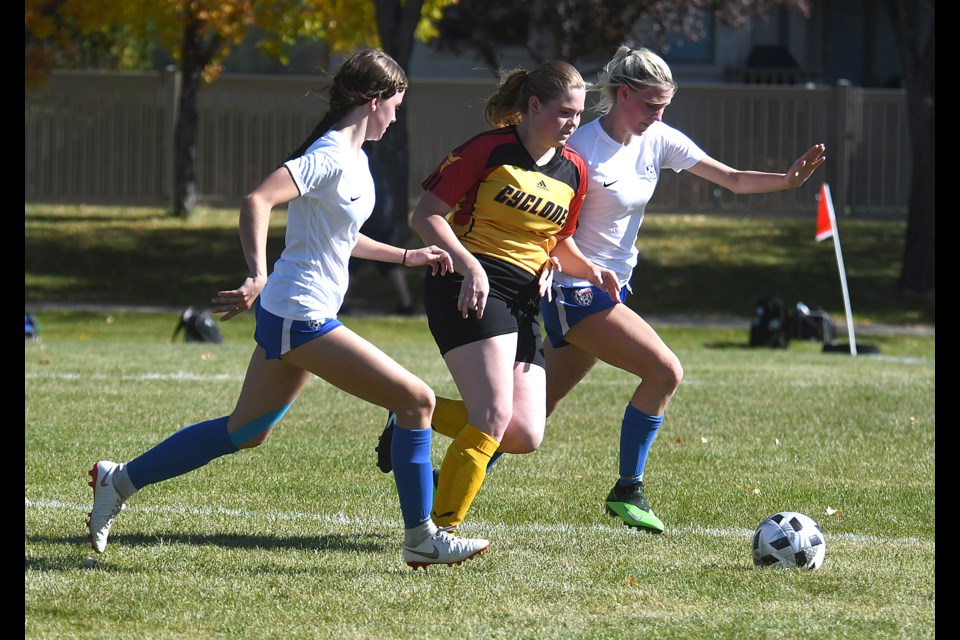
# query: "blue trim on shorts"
x,y
279,335
570,305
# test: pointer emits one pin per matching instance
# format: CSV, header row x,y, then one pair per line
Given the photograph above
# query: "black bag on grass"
x,y
812,324
198,326
769,324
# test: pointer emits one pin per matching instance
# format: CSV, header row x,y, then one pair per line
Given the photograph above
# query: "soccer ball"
x,y
789,539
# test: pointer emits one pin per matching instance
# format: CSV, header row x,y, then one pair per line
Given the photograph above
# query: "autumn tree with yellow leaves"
x,y
200,34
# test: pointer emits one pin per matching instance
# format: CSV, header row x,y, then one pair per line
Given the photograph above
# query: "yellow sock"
x,y
461,475
449,417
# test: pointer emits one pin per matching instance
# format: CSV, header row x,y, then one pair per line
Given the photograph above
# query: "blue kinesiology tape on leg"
x,y
258,426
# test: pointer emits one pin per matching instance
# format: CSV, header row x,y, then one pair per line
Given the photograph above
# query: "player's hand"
x,y
607,280
438,259
474,292
545,283
233,303
805,165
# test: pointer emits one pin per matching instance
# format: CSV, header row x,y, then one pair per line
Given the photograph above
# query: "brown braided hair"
x,y
365,75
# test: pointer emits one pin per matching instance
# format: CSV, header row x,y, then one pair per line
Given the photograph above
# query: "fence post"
x,y
172,80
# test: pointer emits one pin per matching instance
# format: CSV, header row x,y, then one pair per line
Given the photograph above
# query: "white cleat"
x,y
442,547
107,504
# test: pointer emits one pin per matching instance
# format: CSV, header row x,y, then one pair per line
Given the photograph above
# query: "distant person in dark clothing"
x,y
385,225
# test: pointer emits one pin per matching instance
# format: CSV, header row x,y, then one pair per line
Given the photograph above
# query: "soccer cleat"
x,y
107,504
384,458
443,548
630,505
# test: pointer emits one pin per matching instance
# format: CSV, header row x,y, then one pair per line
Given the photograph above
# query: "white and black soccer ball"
x,y
789,539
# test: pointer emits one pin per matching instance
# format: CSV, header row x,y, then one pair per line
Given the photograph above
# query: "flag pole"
x,y
826,204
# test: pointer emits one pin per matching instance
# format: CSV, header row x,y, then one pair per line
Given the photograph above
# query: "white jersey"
x,y
621,180
310,279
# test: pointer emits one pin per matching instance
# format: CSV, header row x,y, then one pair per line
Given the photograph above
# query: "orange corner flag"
x,y
824,214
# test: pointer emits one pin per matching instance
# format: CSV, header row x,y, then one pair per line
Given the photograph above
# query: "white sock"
x,y
121,481
416,535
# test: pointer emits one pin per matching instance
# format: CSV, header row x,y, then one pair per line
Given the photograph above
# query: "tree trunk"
x,y
197,54
914,23
919,268
396,25
185,146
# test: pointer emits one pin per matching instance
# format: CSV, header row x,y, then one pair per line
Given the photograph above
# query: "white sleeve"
x,y
313,171
679,151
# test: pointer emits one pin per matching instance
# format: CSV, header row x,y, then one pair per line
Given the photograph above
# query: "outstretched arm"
x,y
370,249
743,182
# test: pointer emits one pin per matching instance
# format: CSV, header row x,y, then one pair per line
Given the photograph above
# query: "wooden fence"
x,y
107,138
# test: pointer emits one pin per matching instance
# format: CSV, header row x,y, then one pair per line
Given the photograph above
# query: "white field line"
x,y
194,377
179,375
339,519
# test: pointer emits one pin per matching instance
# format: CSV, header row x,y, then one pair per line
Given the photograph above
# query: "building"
x,y
842,40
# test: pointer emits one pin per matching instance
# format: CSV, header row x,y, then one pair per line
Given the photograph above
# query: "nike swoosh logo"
x,y
103,482
436,515
607,184
635,512
433,555
355,198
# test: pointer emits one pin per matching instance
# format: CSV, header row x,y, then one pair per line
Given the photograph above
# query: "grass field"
x,y
301,538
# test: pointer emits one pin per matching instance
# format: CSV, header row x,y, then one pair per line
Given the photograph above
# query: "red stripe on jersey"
x,y
505,205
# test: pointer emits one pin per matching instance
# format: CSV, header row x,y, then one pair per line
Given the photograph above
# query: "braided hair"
x,y
365,75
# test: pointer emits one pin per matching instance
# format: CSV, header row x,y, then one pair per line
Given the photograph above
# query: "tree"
x,y
396,26
914,24
199,34
56,37
573,30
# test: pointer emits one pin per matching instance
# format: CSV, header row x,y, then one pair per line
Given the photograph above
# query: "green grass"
x,y
301,537
690,265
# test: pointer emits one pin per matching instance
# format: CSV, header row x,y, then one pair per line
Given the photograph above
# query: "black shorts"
x,y
513,306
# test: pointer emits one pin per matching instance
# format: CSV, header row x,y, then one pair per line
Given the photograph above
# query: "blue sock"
x,y
186,450
413,473
493,459
637,433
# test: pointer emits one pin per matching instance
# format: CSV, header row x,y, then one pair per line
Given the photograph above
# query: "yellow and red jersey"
x,y
504,205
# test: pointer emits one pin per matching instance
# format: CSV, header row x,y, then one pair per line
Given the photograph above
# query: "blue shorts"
x,y
570,305
279,335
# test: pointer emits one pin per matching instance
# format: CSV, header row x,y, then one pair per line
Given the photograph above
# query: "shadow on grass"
x,y
728,345
345,542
